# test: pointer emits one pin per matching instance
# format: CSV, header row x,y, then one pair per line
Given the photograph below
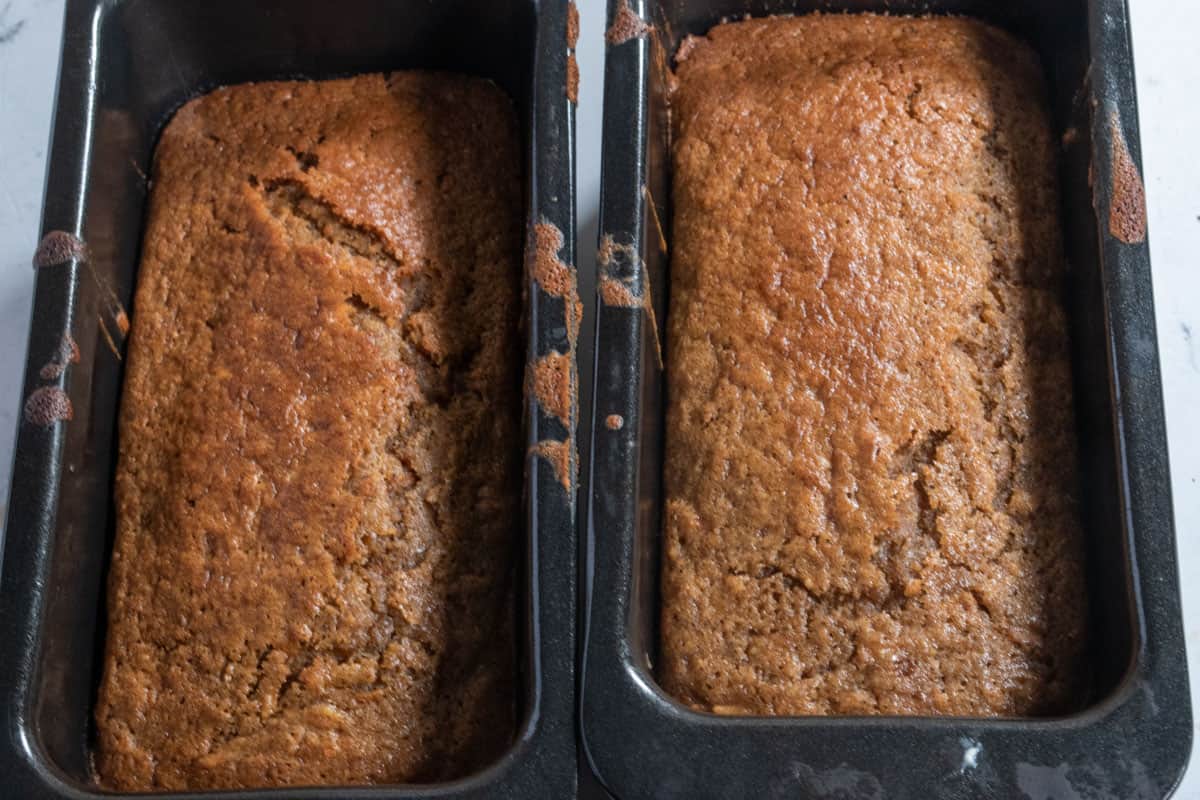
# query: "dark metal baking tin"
x,y
126,66
1133,737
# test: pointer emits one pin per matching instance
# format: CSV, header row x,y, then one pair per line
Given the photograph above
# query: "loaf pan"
x,y
1132,736
126,66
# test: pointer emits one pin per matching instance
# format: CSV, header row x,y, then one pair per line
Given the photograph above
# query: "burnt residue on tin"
x,y
572,78
59,247
572,62
1127,201
559,455
48,405
554,276
549,380
67,353
552,379
626,25
615,290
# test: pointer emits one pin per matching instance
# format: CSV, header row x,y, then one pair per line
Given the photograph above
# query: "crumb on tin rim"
x,y
59,247
48,405
572,25
68,353
626,25
1127,204
549,380
558,455
572,79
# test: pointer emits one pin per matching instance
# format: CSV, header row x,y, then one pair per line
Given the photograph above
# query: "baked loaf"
x,y
870,467
318,481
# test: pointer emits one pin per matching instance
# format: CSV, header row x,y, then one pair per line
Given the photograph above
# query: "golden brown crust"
x,y
68,353
572,63
870,457
319,471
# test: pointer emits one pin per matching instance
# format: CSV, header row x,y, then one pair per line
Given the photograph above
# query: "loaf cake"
x,y
318,480
870,467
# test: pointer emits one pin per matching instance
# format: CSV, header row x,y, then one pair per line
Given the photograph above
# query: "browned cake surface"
x,y
319,471
870,447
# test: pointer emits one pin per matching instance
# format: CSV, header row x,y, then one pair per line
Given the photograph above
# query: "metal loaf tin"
x,y
126,66
1133,737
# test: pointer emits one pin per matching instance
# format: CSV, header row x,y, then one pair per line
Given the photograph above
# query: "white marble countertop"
x,y
1168,72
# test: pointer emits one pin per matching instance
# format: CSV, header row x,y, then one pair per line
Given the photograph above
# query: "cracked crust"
x,y
319,468
870,457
